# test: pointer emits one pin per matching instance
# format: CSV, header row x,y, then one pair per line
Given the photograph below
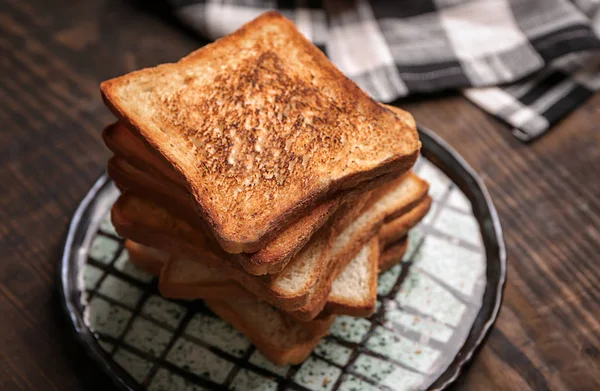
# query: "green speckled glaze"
x,y
260,361
147,336
248,380
167,381
199,360
372,368
107,318
410,353
217,333
458,225
333,351
132,363
163,311
460,268
424,325
421,292
91,276
120,290
350,329
103,249
316,374
388,279
353,383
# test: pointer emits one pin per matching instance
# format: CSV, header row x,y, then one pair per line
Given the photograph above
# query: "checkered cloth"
x,y
527,62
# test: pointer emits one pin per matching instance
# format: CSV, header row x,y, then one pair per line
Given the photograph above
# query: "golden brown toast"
x,y
148,224
283,340
392,254
304,286
262,127
269,260
201,281
353,291
396,229
127,145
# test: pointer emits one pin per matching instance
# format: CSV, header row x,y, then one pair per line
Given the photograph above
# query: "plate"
x,y
433,310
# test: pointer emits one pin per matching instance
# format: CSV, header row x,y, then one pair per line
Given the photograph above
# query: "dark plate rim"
x,y
436,150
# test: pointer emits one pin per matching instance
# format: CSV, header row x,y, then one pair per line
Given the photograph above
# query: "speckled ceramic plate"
x,y
433,311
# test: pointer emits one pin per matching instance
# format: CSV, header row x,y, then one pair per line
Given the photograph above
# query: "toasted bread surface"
x,y
352,293
262,119
186,279
127,145
304,285
132,169
268,287
396,229
129,177
146,258
270,260
136,168
392,254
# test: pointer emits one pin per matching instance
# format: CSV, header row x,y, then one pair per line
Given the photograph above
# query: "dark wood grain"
x,y
54,53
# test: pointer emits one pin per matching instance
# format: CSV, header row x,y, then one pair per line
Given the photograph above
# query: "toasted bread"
x,y
303,287
396,229
354,291
269,260
150,225
392,254
146,258
262,127
131,170
129,177
127,145
278,337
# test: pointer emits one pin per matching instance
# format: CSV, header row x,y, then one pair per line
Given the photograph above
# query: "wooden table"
x,y
54,53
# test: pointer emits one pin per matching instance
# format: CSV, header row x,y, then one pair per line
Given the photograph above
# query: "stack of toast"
x,y
255,176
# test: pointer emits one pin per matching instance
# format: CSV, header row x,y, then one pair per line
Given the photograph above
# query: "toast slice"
x,y
201,281
304,285
146,258
269,260
143,222
127,145
262,127
127,169
208,286
354,291
279,338
398,228
392,254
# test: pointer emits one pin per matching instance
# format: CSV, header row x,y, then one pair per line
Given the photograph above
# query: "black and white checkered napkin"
x,y
527,62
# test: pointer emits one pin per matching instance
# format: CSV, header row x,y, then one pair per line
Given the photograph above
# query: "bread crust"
x,y
150,263
271,259
306,301
231,290
392,255
397,228
366,307
281,50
